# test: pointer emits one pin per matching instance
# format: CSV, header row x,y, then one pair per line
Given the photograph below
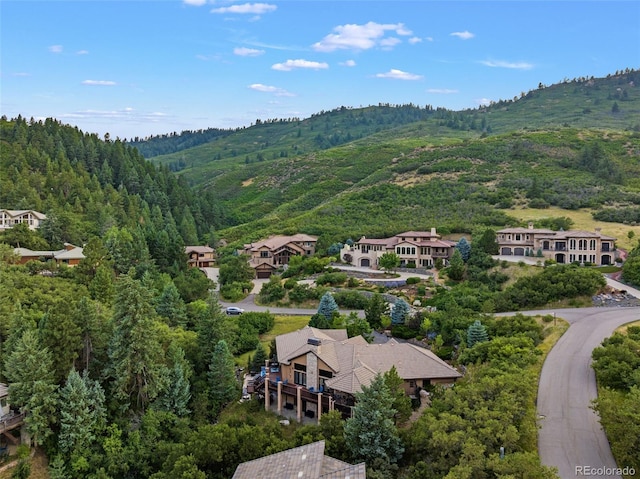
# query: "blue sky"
x,y
139,68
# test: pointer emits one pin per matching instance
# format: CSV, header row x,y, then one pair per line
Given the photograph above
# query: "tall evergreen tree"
x,y
175,398
223,385
401,402
101,286
455,270
370,434
171,306
327,306
30,374
375,308
465,248
476,333
136,360
82,415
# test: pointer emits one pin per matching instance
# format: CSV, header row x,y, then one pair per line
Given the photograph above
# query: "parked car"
x,y
233,310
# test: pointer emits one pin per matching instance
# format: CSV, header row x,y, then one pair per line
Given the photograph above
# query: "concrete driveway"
x,y
570,434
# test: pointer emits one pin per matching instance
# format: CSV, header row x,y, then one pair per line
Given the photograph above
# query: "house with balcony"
x,y
321,370
200,256
10,218
562,246
266,256
414,248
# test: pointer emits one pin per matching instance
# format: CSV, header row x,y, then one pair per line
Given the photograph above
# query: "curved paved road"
x,y
570,433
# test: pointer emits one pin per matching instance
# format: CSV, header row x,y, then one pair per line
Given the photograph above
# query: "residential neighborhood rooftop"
x,y
308,462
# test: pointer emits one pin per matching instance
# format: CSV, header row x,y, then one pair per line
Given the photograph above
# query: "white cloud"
x,y
511,65
21,74
247,52
99,82
348,63
483,101
359,37
441,91
414,40
55,48
399,75
293,64
195,3
270,89
247,8
82,52
466,35
389,43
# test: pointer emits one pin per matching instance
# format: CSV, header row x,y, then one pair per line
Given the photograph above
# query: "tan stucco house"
x,y
418,248
562,246
266,256
200,256
10,218
321,370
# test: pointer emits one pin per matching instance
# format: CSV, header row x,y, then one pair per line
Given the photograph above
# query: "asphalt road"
x,y
570,434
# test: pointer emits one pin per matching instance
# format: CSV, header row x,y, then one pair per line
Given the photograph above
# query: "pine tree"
x,y
375,308
136,360
476,333
30,374
175,398
171,306
465,249
370,433
455,270
327,306
401,402
223,385
259,358
82,415
101,286
400,312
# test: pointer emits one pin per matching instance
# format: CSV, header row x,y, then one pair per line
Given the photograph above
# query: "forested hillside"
x,y
571,145
86,186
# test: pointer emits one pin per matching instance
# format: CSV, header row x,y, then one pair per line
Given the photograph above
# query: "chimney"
x,y
530,225
433,232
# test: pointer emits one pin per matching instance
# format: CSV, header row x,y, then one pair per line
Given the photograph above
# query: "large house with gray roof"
x,y
562,246
308,462
320,370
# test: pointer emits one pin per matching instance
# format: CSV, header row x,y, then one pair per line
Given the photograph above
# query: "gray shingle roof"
x,y
306,462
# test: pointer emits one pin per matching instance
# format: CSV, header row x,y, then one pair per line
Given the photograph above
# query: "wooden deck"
x,y
11,421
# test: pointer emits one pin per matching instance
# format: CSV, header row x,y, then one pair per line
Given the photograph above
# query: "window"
x,y
300,374
517,237
412,384
264,254
572,244
324,375
592,245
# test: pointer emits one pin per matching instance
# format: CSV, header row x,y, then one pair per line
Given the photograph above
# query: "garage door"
x,y
364,262
263,274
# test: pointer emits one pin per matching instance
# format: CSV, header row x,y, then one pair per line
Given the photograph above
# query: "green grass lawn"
x,y
283,324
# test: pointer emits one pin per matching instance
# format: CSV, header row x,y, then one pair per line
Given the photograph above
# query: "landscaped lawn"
x,y
283,324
